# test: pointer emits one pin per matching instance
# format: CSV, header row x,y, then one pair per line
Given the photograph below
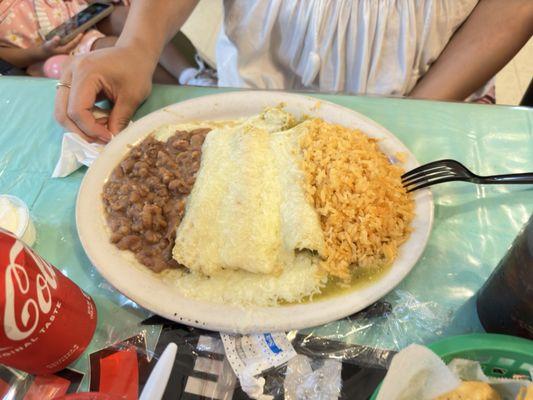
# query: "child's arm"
x,y
23,58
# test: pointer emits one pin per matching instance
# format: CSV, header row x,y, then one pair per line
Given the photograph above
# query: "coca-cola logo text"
x,y
18,285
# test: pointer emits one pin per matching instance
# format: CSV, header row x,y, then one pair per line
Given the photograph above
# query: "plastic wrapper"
x,y
201,370
326,365
473,227
392,323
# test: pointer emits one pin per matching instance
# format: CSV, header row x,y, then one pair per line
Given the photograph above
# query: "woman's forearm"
x,y
493,33
152,23
21,58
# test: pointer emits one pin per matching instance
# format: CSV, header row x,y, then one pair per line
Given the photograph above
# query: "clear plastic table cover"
x,y
474,225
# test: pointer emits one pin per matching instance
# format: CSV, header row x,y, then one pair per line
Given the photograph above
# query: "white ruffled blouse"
x,y
358,46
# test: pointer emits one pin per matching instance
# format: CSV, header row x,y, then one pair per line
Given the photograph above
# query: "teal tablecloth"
x,y
473,227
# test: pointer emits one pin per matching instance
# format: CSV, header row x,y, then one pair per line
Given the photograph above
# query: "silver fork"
x,y
442,171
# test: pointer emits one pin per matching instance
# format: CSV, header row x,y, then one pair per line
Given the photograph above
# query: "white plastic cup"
x,y
24,228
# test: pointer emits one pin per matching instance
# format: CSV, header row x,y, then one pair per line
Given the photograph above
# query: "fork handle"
x,y
526,177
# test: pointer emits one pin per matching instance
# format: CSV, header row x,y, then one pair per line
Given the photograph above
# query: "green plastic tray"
x,y
500,356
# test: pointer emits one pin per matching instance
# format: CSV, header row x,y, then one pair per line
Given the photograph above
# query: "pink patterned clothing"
x,y
24,23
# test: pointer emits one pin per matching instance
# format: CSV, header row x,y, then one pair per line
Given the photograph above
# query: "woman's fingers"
x,y
73,114
62,118
122,75
60,107
60,112
81,101
121,114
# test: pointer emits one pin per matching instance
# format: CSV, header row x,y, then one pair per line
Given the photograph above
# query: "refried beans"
x,y
145,196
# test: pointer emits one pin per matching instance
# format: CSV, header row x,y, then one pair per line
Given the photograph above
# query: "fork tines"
x,y
432,173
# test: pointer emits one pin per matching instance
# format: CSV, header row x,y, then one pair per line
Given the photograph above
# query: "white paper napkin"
x,y
75,152
417,373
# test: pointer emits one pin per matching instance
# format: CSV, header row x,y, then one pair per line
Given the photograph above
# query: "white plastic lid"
x,y
15,217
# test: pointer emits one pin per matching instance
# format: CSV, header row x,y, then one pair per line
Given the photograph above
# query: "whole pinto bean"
x,y
130,242
146,216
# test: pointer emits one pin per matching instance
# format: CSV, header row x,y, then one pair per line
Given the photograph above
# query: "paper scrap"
x,y
75,152
417,373
468,370
250,355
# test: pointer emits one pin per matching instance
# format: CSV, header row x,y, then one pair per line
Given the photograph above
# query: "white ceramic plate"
x,y
151,292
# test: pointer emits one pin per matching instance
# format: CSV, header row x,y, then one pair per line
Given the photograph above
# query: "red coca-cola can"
x,y
47,321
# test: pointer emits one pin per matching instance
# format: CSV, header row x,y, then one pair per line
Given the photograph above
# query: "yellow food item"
x,y
247,210
278,206
300,228
525,393
471,390
243,288
365,213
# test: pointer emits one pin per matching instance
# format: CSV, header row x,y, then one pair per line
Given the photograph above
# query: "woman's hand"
x,y
52,47
120,74
123,73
